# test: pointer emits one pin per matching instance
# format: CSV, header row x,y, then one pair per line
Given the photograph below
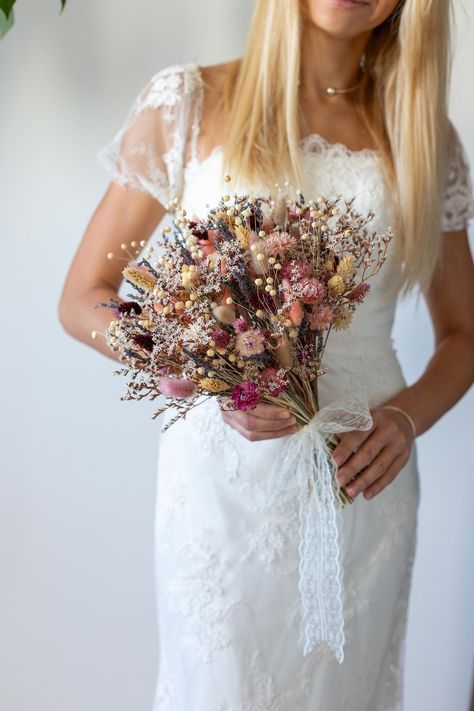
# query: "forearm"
x,y
79,317
448,375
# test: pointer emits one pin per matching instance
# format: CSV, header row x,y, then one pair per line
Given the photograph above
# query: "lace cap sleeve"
x,y
458,206
148,152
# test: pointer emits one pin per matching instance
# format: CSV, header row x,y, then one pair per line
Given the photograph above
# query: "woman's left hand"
x,y
381,453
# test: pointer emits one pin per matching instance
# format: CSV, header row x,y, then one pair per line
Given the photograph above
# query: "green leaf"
x,y
63,4
6,7
5,23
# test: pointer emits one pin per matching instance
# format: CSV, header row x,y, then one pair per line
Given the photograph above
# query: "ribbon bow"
x,y
307,465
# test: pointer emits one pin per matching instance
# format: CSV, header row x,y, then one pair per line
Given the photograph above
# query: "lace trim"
x,y
458,201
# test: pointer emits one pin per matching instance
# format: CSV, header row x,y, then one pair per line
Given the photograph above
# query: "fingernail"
x,y
368,495
352,491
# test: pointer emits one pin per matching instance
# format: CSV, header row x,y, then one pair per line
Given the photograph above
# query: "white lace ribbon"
x,y
307,464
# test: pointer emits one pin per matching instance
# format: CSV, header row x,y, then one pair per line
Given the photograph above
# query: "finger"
x,y
375,470
249,422
364,456
271,412
267,412
349,443
256,436
393,470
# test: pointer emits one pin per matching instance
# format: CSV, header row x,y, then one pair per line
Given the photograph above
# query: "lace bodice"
x,y
156,151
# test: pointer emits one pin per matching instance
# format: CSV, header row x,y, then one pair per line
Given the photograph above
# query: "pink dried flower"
x,y
246,395
320,317
358,294
278,243
309,290
241,325
221,338
295,269
250,343
177,387
271,382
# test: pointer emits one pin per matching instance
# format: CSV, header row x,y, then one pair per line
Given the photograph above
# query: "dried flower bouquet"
x,y
240,305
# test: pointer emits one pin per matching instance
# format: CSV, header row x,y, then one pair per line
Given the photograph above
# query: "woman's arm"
x,y
385,449
122,215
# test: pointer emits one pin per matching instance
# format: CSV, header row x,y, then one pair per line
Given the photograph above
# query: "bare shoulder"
x,y
215,79
215,76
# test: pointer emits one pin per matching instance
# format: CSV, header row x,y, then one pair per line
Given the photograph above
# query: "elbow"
x,y
65,313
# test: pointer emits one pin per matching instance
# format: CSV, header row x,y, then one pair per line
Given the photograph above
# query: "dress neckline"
x,y
311,143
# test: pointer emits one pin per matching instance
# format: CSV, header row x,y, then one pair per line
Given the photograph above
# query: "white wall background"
x,y
77,482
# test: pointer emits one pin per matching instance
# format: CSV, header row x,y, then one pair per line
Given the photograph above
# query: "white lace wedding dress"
x,y
227,561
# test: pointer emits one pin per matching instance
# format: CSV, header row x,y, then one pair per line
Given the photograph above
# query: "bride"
x,y
337,97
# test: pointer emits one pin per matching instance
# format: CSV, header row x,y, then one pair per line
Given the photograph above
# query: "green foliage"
x,y
5,23
6,14
6,6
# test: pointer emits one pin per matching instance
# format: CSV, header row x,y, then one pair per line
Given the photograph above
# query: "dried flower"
x,y
342,318
283,353
346,267
213,385
177,387
309,290
221,338
320,317
242,234
296,313
225,314
140,277
246,395
279,243
241,325
143,340
129,308
250,343
272,382
337,284
358,294
295,269
279,211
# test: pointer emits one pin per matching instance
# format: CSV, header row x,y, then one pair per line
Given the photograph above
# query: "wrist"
x,y
406,415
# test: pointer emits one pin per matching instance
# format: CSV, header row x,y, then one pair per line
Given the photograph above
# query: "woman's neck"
x,y
327,61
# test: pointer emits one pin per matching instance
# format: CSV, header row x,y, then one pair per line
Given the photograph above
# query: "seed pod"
x,y
224,314
279,211
283,354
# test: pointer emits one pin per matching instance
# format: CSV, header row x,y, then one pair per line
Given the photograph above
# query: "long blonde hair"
x,y
403,103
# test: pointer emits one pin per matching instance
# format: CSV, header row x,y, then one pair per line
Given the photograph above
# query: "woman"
x,y
338,96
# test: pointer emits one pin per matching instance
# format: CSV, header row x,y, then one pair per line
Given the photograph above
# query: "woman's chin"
x,y
343,19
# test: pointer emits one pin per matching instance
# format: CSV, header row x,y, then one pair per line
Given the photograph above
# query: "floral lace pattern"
x,y
198,595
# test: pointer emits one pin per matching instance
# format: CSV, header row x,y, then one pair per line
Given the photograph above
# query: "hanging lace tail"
x,y
308,468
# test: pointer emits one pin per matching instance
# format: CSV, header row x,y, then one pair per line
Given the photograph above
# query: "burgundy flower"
x,y
295,269
221,338
143,340
272,382
241,325
309,290
358,294
129,307
246,395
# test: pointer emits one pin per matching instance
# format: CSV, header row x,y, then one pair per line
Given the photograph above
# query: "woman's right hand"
x,y
262,422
